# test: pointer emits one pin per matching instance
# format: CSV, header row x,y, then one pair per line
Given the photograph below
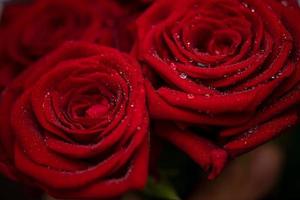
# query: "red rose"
x,y
136,1
228,72
45,24
29,31
76,125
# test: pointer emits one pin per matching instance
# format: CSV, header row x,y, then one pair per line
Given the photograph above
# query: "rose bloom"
x,y
136,2
75,124
30,30
224,73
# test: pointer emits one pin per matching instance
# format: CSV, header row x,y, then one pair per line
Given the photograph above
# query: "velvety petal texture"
x,y
75,124
228,72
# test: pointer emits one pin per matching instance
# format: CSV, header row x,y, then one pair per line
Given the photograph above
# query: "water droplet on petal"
x,y
284,36
177,35
252,130
138,128
154,54
132,106
245,5
47,94
183,75
207,95
190,96
188,44
200,64
173,66
217,52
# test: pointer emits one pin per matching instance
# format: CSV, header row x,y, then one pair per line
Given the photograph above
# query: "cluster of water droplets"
x,y
276,76
248,133
47,95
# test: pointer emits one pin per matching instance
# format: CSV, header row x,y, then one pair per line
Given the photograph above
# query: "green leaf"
x,y
160,190
132,196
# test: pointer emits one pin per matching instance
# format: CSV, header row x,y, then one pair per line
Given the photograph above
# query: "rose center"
x,y
97,110
198,38
224,42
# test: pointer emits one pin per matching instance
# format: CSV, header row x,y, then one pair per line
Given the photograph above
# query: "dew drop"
x,y
207,95
252,10
138,128
173,66
177,35
109,119
155,54
132,106
245,5
249,88
199,64
47,94
252,130
284,36
190,96
183,75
